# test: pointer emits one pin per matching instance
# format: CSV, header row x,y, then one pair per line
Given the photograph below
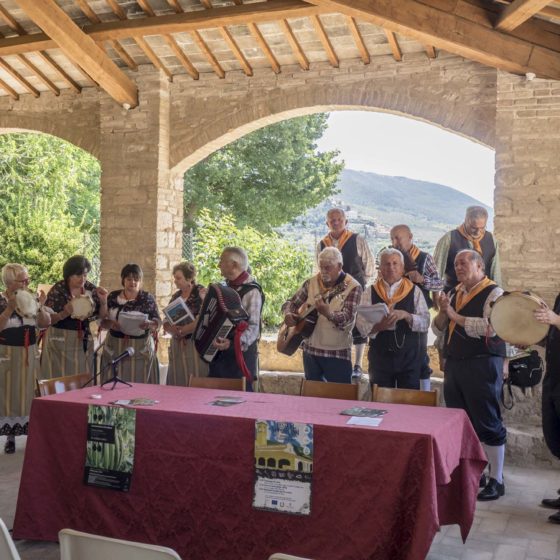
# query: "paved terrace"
x,y
512,528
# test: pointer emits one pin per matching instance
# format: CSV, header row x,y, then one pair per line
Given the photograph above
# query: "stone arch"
x,y
463,102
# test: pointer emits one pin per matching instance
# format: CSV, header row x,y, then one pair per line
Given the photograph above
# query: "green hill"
x,y
374,203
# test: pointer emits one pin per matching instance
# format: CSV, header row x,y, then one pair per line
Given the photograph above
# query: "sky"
x,y
400,146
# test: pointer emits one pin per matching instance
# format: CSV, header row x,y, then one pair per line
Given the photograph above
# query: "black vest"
x,y
458,243
461,346
420,263
552,345
402,337
243,289
351,262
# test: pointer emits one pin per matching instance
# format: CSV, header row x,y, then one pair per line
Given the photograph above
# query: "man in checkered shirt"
x,y
335,296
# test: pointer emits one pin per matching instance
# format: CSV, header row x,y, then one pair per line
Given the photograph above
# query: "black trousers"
x,y
475,385
225,364
400,368
551,412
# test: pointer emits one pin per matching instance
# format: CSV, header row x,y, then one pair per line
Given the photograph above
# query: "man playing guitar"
x,y
335,295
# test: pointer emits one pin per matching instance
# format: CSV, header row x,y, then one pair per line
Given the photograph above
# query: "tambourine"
x,y
512,318
82,307
27,304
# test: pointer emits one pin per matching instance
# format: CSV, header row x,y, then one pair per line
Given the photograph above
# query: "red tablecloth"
x,y
378,493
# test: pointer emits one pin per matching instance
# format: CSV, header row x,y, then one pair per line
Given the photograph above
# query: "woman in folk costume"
x,y
184,360
73,303
19,357
142,366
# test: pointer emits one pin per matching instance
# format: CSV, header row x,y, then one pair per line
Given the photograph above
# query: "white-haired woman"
x,y
19,358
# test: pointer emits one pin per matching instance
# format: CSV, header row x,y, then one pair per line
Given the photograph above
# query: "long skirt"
x,y
19,367
63,353
141,367
184,361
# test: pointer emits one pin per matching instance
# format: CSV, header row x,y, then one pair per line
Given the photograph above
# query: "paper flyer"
x,y
283,466
110,447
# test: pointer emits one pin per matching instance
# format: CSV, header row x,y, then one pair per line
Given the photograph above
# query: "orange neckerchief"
x,y
462,298
414,252
344,237
402,291
474,240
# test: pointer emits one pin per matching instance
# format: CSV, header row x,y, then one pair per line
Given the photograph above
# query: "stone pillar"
x,y
527,197
141,206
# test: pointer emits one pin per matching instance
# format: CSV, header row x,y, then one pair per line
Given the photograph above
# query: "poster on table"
x,y
110,447
283,466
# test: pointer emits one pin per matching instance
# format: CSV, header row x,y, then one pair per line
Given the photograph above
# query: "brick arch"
x,y
462,100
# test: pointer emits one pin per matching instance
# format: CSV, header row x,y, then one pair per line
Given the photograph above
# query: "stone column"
x,y
141,207
527,197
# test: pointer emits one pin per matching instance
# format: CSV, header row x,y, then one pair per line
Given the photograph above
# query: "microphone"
x,y
128,352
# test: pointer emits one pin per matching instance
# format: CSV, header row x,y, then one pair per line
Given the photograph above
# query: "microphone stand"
x,y
95,366
115,379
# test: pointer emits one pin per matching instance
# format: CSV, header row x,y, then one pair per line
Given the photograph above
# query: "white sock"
x,y
495,454
425,384
359,348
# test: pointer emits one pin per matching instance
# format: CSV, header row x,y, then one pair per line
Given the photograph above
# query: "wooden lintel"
x,y
518,12
443,29
81,49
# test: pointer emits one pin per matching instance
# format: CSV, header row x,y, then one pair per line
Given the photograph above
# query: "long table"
x,y
378,493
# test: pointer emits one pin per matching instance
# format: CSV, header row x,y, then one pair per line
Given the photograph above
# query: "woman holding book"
x,y
184,360
133,303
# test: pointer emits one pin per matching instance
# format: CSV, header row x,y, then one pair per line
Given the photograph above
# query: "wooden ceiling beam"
x,y
326,42
39,74
294,44
394,44
173,23
19,78
265,47
16,27
81,49
358,39
201,43
445,30
518,12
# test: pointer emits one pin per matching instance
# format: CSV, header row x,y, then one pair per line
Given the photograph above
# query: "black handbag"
x,y
524,372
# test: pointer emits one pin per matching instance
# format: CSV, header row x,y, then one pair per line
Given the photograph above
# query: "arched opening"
x,y
49,198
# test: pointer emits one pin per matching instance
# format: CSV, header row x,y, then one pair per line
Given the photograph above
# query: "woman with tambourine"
x,y
21,313
73,303
133,321
184,360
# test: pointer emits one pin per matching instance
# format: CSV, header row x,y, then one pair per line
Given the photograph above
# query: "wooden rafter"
x,y
324,38
265,47
24,60
8,89
518,12
148,51
358,39
444,29
201,43
81,49
226,35
294,44
394,44
119,49
18,77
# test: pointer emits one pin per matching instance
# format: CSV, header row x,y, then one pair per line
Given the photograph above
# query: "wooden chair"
x,y
217,383
75,545
343,391
61,384
405,396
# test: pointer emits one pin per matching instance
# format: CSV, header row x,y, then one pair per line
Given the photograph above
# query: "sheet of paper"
x,y
364,421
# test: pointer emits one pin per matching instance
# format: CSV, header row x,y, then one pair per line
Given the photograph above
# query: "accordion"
x,y
221,310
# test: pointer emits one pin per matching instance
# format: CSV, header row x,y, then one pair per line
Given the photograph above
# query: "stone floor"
x,y
512,528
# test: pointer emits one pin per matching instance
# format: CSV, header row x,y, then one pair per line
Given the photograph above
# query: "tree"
x,y
44,218
266,178
277,265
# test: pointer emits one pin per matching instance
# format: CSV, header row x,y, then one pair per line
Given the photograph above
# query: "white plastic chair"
x,y
75,545
7,547
281,556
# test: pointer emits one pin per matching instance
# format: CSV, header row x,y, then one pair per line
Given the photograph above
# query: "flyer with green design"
x,y
110,447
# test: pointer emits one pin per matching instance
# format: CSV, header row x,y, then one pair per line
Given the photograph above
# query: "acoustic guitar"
x,y
290,338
